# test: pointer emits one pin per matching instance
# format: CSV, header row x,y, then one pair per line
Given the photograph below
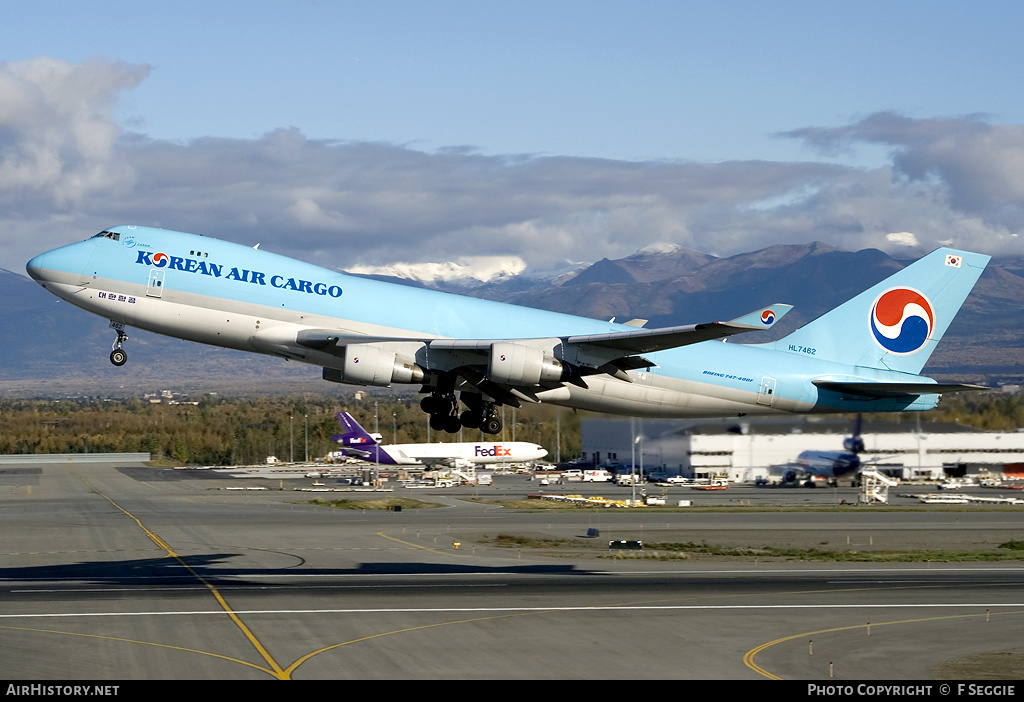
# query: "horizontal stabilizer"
x,y
356,453
882,389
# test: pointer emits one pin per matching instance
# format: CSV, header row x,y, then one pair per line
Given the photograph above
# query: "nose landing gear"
x,y
119,356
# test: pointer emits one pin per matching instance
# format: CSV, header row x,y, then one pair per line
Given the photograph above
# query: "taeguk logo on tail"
x,y
767,317
902,320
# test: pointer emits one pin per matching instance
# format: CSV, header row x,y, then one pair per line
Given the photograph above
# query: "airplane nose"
x,y
36,266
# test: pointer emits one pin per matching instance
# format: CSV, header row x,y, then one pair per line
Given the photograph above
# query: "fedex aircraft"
x,y
863,356
358,443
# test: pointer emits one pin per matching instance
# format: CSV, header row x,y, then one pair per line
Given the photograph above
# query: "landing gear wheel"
x,y
117,355
491,425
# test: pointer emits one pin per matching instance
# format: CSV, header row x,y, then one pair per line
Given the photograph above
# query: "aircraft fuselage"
x,y
224,294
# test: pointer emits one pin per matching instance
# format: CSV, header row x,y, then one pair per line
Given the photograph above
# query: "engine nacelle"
x,y
516,364
366,364
854,444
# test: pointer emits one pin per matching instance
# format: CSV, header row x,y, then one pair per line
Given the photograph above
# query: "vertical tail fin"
x,y
354,435
359,443
896,324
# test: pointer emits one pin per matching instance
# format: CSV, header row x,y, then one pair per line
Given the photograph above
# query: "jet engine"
x,y
365,364
516,364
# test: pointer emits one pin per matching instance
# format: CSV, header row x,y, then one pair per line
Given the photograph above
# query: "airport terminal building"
x,y
744,449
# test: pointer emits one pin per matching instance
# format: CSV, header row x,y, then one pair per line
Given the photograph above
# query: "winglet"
x,y
764,318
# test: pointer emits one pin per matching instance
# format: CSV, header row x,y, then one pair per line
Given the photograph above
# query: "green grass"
x,y
537,505
693,550
513,541
687,550
384,504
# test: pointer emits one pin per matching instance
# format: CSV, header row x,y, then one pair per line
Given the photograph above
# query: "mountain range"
x,y
49,342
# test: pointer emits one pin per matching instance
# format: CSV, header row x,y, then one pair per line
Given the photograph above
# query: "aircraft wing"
x,y
789,472
650,340
433,462
575,356
627,342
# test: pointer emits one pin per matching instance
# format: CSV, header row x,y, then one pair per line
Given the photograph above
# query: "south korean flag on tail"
x,y
954,261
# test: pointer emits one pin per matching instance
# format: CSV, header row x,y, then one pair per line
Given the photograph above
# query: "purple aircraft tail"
x,y
358,443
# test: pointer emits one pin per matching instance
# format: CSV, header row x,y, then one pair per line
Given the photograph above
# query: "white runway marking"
x,y
478,610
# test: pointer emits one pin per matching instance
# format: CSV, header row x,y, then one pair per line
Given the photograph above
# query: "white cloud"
x,y
67,170
57,135
902,239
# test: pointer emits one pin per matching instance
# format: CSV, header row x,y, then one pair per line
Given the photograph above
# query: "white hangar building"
x,y
743,449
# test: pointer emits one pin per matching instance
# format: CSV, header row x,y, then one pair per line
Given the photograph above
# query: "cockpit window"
x,y
116,236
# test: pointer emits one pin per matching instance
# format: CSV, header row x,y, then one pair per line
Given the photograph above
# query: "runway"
x,y
114,572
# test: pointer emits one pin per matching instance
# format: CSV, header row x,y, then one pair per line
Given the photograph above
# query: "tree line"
x,y
220,430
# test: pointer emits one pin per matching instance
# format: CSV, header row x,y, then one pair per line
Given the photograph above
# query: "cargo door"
x,y
155,288
766,395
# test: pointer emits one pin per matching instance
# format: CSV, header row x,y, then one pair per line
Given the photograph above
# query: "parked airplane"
x,y
864,355
358,443
828,465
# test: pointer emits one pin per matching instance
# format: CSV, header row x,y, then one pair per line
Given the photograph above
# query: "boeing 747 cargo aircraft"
x,y
471,355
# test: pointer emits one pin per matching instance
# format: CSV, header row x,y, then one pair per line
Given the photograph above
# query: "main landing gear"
x,y
119,356
443,409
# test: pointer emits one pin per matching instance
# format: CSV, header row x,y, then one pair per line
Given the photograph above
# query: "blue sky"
x,y
549,131
636,81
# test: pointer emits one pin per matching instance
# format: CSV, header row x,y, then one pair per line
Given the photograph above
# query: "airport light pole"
x,y
632,468
558,439
632,450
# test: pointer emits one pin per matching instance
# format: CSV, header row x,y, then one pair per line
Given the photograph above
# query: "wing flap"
x,y
331,341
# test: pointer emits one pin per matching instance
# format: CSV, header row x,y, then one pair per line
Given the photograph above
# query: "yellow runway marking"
x,y
748,658
274,668
310,655
143,643
409,543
